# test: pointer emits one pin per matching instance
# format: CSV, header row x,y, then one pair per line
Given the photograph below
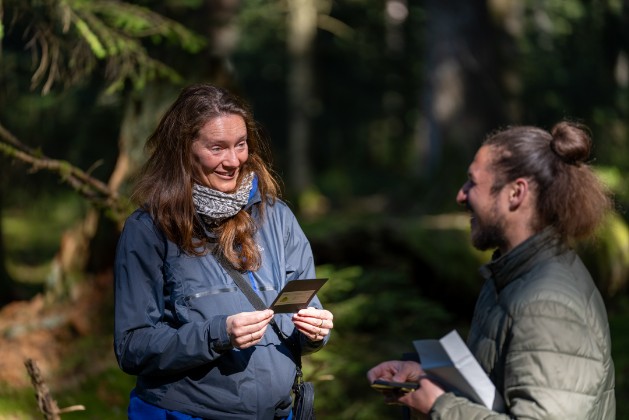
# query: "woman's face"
x,y
221,150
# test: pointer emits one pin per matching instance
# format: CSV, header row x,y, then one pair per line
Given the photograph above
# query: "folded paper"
x,y
451,364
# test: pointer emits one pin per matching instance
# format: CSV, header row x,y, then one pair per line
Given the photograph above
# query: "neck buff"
x,y
215,206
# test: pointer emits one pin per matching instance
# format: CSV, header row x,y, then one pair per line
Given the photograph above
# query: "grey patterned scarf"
x,y
214,206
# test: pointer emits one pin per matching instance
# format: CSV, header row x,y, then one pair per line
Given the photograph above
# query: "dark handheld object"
x,y
382,385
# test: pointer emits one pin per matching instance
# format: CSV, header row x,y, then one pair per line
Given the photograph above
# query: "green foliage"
x,y
18,404
432,252
104,396
70,37
453,244
33,233
607,257
377,314
268,17
613,177
568,56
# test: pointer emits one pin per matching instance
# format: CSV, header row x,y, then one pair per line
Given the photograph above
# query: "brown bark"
x,y
47,404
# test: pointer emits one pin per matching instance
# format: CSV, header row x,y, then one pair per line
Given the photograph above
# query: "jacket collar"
x,y
512,265
254,195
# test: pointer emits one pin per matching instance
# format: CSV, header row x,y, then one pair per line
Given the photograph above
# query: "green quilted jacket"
x,y
540,331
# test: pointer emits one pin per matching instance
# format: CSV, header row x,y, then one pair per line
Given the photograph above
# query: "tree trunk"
x,y
90,245
302,26
461,100
461,96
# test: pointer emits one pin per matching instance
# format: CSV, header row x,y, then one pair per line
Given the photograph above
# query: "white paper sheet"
x,y
451,363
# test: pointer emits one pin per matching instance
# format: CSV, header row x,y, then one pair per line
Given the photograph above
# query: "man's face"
x,y
487,221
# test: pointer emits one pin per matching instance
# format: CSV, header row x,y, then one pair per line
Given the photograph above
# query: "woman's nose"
x,y
231,158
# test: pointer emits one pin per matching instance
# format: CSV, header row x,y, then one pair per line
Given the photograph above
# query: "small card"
x,y
296,295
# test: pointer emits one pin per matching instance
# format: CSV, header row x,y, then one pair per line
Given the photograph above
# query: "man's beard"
x,y
489,235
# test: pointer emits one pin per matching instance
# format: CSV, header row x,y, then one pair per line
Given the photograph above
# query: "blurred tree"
x,y
6,283
287,33
278,65
302,28
461,93
570,59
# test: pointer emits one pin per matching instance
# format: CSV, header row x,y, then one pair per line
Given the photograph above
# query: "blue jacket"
x,y
170,321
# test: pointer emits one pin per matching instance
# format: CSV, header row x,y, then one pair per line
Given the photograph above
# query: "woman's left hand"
x,y
314,323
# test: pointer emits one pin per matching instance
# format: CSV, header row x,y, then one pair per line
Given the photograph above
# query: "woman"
x,y
182,326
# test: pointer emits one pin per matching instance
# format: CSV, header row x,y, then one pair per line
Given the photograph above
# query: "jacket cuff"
x,y
218,338
442,403
308,347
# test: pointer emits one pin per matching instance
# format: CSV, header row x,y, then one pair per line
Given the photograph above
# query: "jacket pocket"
x,y
205,304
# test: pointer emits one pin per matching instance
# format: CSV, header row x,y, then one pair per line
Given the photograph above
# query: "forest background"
x,y
374,109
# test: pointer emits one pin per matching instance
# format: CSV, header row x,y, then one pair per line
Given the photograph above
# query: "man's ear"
x,y
518,193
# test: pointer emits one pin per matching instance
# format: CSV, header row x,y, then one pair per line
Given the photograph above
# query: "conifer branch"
x,y
96,191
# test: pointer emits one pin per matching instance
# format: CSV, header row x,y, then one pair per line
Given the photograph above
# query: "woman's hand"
x,y
246,329
314,323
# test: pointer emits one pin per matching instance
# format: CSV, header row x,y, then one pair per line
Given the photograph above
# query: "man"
x,y
540,327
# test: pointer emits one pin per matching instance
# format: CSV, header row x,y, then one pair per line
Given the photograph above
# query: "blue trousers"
x,y
141,410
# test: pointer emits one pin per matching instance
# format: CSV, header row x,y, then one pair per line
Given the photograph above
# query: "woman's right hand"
x,y
246,329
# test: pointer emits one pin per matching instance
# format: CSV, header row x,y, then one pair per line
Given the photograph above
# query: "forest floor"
x,y
54,335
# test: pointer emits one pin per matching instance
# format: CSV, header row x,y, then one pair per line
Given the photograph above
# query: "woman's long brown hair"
x,y
164,185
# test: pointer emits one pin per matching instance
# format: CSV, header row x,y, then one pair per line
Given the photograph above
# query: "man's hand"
x,y
420,400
